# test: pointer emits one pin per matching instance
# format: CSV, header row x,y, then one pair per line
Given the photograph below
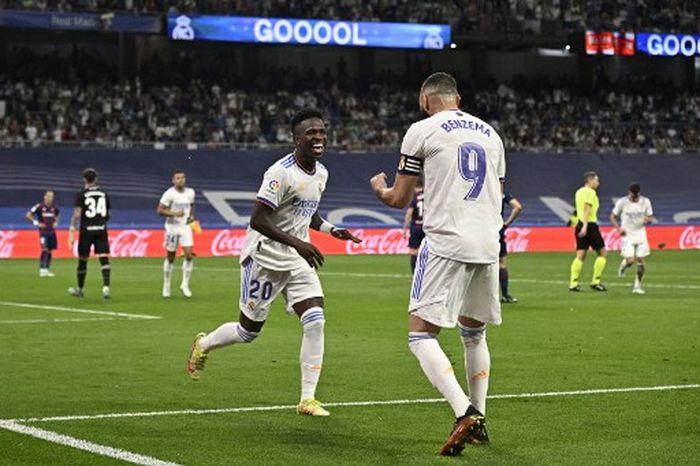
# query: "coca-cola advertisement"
x,y
229,242
690,238
386,241
7,245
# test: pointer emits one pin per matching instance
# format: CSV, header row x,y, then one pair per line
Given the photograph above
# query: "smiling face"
x,y
310,138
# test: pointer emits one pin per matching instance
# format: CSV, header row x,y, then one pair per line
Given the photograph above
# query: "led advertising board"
x,y
668,45
308,31
609,43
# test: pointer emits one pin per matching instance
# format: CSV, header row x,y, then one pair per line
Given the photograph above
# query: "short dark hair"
x,y
635,188
439,83
179,170
304,114
588,175
90,175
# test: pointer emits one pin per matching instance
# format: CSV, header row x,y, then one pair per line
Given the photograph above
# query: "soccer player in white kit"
x,y
635,212
279,259
456,280
177,206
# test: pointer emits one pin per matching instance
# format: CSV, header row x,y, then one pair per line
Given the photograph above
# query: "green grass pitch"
x,y
64,363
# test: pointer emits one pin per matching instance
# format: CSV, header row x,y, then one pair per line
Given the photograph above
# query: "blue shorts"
x,y
48,241
416,237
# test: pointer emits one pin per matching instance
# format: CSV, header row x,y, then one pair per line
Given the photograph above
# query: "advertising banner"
x,y
229,242
668,45
308,31
109,22
609,43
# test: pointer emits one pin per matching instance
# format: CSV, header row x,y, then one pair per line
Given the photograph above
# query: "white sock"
x,y
227,334
311,354
438,369
477,360
167,271
186,271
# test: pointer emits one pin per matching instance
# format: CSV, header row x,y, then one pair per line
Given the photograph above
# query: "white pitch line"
x,y
84,445
53,321
506,396
78,310
623,285
405,275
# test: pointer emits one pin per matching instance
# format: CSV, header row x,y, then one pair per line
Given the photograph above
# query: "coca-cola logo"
x,y
6,243
130,243
690,239
228,243
612,239
517,239
383,242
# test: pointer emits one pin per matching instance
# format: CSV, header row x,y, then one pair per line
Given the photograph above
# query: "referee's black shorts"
x,y
89,238
593,238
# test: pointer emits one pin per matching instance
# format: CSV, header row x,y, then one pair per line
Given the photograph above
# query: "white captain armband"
x,y
326,227
409,165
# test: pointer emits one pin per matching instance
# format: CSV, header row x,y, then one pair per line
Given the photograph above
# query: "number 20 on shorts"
x,y
265,290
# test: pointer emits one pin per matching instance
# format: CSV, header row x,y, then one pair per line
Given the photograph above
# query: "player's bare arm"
x,y
260,220
164,211
190,219
30,217
319,224
399,195
586,214
616,225
73,222
516,207
407,221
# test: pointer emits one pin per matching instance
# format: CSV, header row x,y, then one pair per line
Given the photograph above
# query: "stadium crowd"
x,y
47,101
478,16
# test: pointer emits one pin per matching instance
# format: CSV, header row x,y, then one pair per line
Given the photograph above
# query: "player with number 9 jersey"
x,y
456,278
463,161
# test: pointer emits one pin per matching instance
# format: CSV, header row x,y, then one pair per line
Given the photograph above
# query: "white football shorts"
x,y
444,289
634,247
177,235
260,287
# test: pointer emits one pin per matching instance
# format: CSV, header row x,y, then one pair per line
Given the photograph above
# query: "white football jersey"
x,y
176,200
463,161
632,215
294,196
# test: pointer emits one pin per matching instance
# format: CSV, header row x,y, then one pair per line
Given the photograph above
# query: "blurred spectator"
x,y
482,16
49,101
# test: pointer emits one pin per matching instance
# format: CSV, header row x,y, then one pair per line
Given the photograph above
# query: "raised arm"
x,y
399,195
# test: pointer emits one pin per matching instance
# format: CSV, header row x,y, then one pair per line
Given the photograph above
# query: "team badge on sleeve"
x,y
410,165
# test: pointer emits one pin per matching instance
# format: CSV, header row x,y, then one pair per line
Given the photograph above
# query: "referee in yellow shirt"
x,y
587,233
